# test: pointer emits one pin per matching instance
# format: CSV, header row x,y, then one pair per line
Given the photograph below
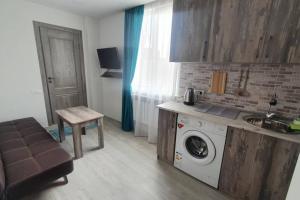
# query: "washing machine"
x,y
199,148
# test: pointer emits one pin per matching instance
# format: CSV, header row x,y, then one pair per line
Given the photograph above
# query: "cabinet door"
x,y
280,172
281,43
166,136
191,26
238,30
257,167
244,163
294,50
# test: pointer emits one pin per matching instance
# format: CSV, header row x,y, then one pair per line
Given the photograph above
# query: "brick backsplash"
x,y
262,80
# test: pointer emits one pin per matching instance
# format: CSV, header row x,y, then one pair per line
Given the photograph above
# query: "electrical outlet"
x,y
200,92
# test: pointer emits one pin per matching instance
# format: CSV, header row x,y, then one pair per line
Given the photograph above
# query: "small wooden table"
x,y
78,118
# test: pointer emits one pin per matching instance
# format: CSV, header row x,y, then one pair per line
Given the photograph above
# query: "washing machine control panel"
x,y
199,124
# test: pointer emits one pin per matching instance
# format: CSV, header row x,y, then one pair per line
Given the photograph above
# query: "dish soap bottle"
x,y
295,125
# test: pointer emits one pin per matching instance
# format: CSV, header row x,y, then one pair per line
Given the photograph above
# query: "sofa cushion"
x,y
12,144
30,157
21,170
6,136
15,155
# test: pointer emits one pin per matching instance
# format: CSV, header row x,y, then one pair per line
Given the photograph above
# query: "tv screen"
x,y
109,58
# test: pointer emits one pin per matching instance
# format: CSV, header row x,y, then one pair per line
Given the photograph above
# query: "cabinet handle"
x,y
205,49
174,120
258,47
268,47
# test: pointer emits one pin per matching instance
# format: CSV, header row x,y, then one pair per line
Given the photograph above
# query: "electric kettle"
x,y
189,97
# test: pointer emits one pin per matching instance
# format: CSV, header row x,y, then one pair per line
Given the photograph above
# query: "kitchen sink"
x,y
276,123
256,120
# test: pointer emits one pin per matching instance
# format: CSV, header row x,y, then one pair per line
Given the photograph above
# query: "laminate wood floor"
x,y
126,169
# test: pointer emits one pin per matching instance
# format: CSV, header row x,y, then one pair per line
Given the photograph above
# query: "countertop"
x,y
180,108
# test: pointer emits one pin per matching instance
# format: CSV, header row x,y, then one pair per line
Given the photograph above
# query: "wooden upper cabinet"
x,y
281,44
191,27
294,50
238,30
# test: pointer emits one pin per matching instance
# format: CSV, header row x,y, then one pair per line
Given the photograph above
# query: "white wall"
x,y
112,35
93,82
20,80
294,191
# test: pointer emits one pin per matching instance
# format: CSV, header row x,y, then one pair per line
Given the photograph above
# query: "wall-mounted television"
x,y
109,58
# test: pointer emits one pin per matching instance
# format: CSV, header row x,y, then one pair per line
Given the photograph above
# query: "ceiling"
x,y
92,8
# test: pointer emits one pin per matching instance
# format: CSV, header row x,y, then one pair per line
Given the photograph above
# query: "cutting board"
x,y
215,82
218,82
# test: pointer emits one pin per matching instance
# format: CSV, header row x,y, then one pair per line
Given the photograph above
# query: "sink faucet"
x,y
270,115
273,102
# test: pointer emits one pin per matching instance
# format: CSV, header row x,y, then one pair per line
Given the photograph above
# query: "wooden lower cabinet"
x,y
257,167
254,166
166,136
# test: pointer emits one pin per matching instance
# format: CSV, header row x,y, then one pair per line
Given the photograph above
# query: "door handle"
x,y
174,122
205,50
50,79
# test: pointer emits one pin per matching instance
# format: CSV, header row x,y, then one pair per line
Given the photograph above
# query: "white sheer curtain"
x,y
155,77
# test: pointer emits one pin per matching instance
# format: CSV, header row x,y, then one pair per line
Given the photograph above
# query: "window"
x,y
155,76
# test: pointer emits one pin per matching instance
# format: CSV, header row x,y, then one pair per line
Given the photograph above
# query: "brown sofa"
x,y
30,158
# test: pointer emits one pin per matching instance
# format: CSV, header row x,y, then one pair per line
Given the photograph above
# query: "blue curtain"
x,y
133,26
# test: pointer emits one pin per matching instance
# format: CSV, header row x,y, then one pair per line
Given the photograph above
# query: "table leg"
x,y
77,141
83,131
61,130
100,132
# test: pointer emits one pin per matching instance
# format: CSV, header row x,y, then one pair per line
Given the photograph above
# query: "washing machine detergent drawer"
x,y
208,174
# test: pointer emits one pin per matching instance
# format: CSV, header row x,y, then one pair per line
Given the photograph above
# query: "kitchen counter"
x,y
236,123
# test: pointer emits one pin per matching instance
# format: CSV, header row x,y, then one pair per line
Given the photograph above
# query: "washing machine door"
x,y
198,147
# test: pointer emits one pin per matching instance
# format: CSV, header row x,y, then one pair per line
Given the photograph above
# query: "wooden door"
x,y
257,167
238,30
63,68
191,25
167,122
282,43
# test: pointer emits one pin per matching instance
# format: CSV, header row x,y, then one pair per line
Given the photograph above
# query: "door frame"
x,y
37,25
